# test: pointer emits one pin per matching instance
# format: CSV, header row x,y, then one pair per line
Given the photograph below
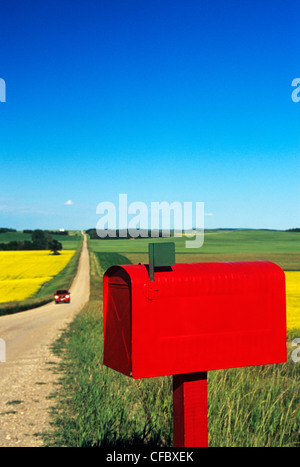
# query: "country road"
x,y
26,379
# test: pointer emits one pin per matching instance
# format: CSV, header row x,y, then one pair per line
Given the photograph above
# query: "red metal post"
x,y
190,410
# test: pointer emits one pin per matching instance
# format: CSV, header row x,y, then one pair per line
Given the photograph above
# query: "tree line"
x,y
51,232
40,240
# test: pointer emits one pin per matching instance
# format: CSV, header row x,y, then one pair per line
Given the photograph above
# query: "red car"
x,y
62,296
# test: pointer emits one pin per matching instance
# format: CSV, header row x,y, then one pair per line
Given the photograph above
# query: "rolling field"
x,y
29,279
22,273
96,406
224,242
282,248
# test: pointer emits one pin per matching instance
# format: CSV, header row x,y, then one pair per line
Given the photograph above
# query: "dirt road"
x,y
26,379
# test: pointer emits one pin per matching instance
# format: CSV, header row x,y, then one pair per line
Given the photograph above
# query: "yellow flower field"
x,y
22,273
293,299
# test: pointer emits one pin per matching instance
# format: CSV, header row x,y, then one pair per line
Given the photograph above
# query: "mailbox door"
x,y
117,321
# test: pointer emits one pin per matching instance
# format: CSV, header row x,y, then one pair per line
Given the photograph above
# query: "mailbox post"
x,y
190,410
186,319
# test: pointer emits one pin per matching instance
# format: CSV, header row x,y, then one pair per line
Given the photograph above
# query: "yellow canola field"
x,y
22,273
292,279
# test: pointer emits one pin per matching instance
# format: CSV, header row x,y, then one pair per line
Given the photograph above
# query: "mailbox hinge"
x,y
151,289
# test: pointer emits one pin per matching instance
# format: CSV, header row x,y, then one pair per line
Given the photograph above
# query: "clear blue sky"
x,y
169,100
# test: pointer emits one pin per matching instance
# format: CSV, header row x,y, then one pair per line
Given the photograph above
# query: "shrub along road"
x,y
26,381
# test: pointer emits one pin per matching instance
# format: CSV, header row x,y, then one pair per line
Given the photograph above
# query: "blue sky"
x,y
164,100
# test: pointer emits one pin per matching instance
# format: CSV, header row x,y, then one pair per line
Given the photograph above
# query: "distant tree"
x,y
55,246
58,232
41,239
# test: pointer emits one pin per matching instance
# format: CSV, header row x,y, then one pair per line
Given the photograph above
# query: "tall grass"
x,y
256,406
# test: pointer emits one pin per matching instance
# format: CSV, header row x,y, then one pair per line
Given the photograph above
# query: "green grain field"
x,y
96,406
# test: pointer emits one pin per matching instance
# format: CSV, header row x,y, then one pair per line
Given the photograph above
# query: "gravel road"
x,y
26,378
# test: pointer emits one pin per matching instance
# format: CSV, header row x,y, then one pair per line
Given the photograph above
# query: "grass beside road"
x,y
96,406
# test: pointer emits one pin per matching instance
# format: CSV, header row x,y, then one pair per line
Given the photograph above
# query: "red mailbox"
x,y
193,317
